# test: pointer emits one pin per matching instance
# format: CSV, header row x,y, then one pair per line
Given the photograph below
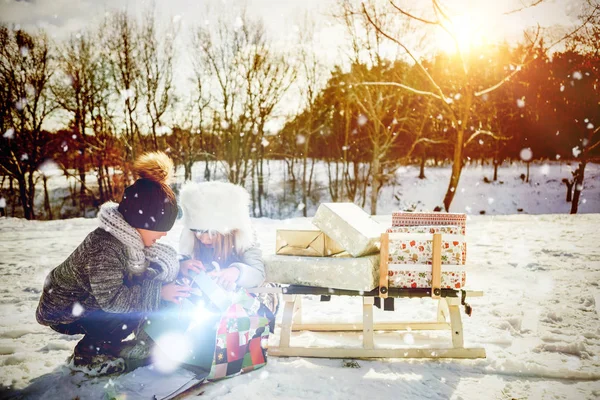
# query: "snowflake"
x,y
77,309
526,154
9,134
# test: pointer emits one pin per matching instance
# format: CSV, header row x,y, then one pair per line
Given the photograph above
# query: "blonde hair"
x,y
224,247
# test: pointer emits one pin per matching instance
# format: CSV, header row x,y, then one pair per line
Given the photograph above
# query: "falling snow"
x,y
50,168
362,120
77,309
526,154
9,134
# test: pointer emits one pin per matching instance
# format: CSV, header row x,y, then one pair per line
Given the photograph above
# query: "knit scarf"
x,y
140,256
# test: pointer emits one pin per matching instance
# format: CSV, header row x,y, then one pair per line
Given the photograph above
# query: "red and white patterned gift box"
x,y
401,218
419,276
414,245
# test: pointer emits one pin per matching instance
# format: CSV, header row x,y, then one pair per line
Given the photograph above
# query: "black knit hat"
x,y
150,203
146,205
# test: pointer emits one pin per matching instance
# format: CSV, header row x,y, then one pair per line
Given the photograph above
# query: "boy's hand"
x,y
174,293
226,278
191,265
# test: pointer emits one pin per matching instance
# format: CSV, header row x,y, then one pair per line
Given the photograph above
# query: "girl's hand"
x,y
188,266
226,278
174,293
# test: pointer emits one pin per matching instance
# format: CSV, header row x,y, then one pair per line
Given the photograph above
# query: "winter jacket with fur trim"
x,y
252,268
95,277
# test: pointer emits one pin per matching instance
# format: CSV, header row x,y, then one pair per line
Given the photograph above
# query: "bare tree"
x,y
248,81
82,90
459,106
589,39
25,71
384,113
124,50
156,70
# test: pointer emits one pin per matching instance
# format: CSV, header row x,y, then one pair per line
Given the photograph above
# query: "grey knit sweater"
x,y
96,277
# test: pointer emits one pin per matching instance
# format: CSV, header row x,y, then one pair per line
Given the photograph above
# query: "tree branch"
x,y
417,91
517,69
401,11
535,3
483,132
429,77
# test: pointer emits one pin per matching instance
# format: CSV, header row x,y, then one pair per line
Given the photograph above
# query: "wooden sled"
x,y
448,317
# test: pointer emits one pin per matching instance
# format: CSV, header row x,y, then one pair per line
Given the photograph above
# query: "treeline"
x,y
115,85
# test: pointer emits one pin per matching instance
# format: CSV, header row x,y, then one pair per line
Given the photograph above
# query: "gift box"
x,y
351,273
401,218
413,245
351,227
419,276
305,242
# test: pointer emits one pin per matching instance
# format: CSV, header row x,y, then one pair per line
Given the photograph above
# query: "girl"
x,y
217,237
119,273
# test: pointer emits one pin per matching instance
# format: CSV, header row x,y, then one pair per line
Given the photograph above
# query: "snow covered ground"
x,y
539,318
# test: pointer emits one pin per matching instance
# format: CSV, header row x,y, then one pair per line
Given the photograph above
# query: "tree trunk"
x,y
569,185
527,178
375,182
578,187
23,197
108,184
253,191
31,195
456,170
101,184
310,176
261,187
422,169
206,170
304,183
496,163
47,198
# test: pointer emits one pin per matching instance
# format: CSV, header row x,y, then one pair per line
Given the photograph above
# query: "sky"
x,y
475,21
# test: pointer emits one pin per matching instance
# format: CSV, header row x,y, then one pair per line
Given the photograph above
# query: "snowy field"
x,y
538,321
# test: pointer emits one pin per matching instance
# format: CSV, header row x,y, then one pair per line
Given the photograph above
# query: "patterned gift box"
x,y
401,218
419,276
352,273
305,242
350,226
413,245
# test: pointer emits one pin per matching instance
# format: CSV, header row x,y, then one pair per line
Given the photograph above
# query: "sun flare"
x,y
463,32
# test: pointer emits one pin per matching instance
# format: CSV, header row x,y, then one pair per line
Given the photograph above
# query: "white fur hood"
x,y
218,206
